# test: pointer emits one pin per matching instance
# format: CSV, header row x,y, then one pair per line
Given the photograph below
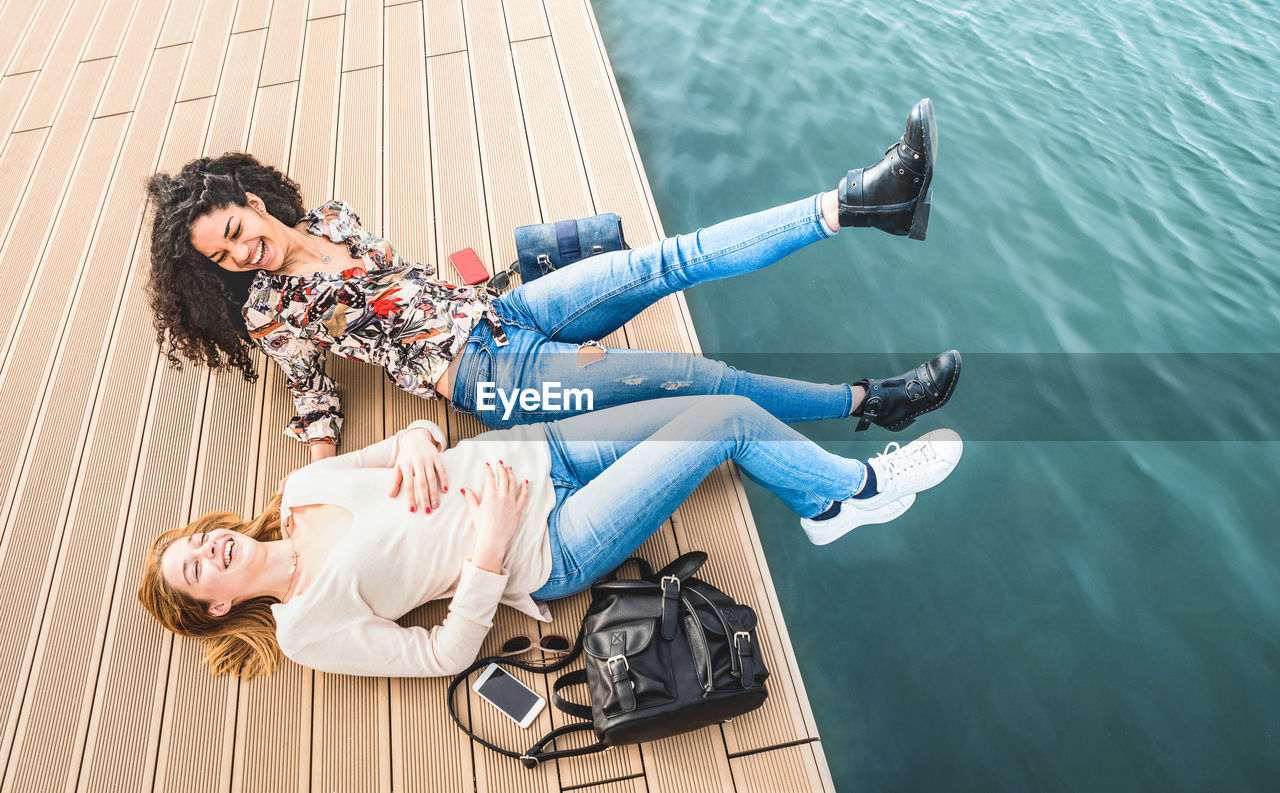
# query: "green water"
x,y
1090,602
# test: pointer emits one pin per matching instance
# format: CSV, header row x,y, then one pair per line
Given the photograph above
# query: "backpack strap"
x,y
536,754
574,678
683,566
531,757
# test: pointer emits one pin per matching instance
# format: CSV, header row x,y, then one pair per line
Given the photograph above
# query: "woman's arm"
x,y
315,394
415,453
374,646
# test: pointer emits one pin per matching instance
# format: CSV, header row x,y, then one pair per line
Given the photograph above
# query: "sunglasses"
x,y
552,644
502,279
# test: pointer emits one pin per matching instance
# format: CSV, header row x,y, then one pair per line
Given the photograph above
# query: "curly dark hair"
x,y
197,304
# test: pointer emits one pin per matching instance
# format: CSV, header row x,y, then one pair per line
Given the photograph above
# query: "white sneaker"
x,y
919,465
851,516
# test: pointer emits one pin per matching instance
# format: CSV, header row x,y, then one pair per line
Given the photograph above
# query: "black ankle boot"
x,y
893,195
895,403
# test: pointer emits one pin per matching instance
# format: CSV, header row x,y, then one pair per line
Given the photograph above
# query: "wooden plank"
x,y
445,33
273,734
509,189
15,16
13,93
455,161
315,126
131,64
37,211
38,38
350,750
562,184
199,712
55,77
29,549
208,49
793,769
612,166
635,784
525,19
283,59
671,763
108,33
359,161
120,722
409,219
252,16
180,22
325,8
17,162
271,130
363,45
233,107
429,753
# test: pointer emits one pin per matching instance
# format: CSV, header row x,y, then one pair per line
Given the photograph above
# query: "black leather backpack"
x,y
664,654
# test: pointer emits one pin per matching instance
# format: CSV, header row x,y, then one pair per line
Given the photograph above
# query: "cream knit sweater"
x,y
393,560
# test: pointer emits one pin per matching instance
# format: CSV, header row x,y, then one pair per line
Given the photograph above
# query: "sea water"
x,y
1090,602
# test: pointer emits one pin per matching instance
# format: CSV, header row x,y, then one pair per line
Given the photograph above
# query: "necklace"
x,y
324,259
293,561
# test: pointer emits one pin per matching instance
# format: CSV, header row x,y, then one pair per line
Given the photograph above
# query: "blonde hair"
x,y
241,642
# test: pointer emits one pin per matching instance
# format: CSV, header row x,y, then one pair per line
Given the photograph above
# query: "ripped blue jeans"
x,y
618,474
548,320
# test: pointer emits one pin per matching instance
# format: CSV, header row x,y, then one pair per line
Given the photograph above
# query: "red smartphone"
x,y
468,265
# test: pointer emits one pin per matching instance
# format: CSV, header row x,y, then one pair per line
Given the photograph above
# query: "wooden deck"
x,y
446,123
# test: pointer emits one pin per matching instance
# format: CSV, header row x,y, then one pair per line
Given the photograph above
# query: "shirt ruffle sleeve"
x,y
315,394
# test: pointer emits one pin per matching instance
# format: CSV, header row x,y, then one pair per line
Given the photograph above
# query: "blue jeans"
x,y
547,320
612,494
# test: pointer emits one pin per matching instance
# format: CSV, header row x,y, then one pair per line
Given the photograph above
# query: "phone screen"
x,y
508,694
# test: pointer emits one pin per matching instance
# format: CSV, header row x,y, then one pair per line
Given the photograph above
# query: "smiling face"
x,y
241,238
214,567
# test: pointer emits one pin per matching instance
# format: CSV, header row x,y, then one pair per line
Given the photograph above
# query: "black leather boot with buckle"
x,y
893,195
895,403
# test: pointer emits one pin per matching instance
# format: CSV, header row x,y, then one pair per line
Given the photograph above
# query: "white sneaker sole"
x,y
821,532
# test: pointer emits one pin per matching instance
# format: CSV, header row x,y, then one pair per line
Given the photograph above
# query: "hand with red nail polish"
x,y
420,467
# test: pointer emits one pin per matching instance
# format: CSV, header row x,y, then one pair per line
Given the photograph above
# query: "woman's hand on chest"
x,y
420,469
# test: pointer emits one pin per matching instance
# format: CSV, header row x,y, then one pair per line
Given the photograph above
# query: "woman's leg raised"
x,y
630,468
590,299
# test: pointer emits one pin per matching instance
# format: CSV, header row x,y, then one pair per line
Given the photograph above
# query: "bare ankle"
x,y
830,204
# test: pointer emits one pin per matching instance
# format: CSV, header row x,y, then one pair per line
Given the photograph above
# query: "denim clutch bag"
x,y
543,247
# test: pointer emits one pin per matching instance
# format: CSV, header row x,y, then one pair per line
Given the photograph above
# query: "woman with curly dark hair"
x,y
237,262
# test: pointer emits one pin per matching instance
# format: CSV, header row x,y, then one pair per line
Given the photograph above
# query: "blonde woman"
x,y
542,511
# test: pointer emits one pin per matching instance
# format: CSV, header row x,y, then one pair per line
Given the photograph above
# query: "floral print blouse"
x,y
381,311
